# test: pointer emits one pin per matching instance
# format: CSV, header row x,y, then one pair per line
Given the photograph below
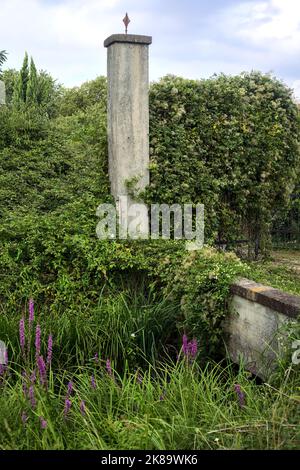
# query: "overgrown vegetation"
x,y
230,143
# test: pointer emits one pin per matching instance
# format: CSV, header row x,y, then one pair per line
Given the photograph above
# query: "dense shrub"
x,y
231,143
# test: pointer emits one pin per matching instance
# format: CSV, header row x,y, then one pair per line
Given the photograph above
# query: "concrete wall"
x,y
254,327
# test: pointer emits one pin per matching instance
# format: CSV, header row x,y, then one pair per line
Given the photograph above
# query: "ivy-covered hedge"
x,y
231,143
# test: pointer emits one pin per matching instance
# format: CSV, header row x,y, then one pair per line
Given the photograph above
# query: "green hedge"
x,y
231,143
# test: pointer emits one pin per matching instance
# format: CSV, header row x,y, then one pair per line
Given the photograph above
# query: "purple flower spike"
x,y
108,367
24,418
82,407
43,422
33,377
22,334
31,396
42,370
240,395
193,347
185,347
70,388
68,405
31,311
38,340
93,382
96,358
49,352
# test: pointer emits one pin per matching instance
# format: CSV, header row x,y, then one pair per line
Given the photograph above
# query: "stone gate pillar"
x,y
2,92
128,112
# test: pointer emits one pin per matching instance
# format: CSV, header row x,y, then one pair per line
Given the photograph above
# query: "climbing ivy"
x,y
231,143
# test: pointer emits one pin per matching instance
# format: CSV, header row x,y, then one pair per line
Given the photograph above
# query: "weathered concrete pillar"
x,y
128,111
2,92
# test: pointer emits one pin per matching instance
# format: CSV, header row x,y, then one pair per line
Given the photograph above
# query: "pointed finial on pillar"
x,y
126,21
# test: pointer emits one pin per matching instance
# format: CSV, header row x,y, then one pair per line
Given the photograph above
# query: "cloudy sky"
x,y
191,38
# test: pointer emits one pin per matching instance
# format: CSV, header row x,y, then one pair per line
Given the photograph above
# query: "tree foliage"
x,y
3,58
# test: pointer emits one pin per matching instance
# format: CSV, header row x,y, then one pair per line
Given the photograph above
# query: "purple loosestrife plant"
x,y
185,345
31,312
24,418
38,340
33,377
31,396
42,371
240,395
67,407
193,348
93,382
50,348
108,367
70,388
43,422
82,407
189,348
22,334
96,358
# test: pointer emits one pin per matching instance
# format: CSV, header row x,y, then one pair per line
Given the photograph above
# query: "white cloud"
x,y
271,24
66,37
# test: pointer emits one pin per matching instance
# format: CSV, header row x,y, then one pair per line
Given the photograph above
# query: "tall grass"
x,y
111,384
130,325
172,406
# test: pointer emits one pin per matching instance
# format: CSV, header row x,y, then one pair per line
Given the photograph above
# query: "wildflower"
x,y
70,388
24,418
193,348
31,396
49,352
185,345
33,377
31,311
96,358
82,407
24,383
43,422
240,395
38,340
108,367
22,334
42,370
68,405
93,382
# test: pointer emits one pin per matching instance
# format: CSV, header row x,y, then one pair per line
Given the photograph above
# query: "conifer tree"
x,y
20,90
32,85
